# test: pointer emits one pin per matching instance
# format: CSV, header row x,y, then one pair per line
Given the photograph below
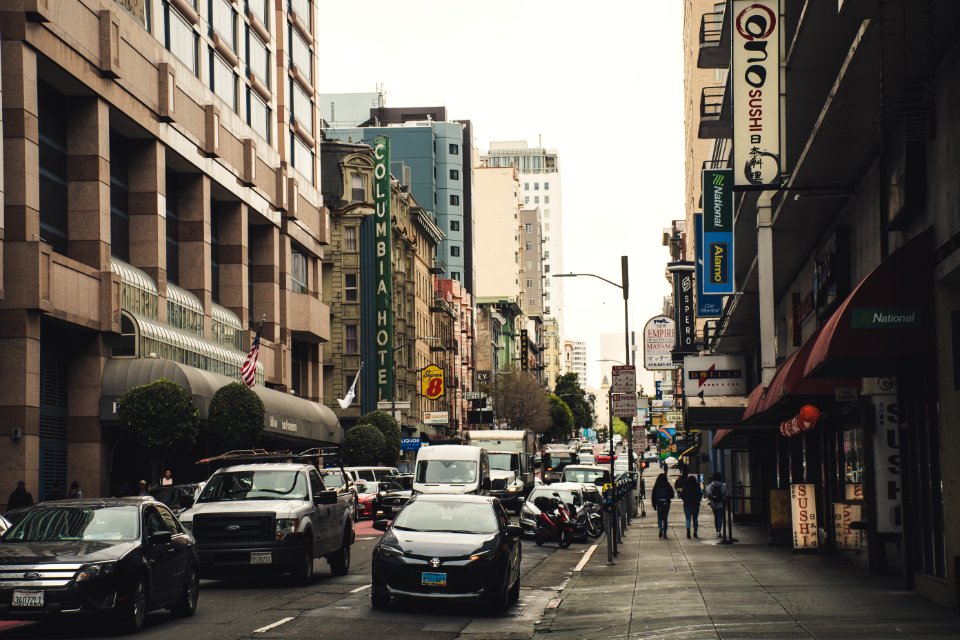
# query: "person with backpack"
x,y
660,498
717,495
691,495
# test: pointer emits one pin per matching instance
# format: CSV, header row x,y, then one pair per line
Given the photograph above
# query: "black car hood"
x,y
439,544
66,552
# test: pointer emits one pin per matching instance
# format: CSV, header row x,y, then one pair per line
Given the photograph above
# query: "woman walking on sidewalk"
x,y
692,496
660,498
716,494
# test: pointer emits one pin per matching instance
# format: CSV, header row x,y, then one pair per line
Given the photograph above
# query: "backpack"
x,y
715,493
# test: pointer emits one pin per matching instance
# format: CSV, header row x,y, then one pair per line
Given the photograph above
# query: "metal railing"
x,y
711,28
711,102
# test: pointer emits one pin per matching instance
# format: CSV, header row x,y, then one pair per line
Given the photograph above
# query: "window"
x,y
173,229
546,186
526,199
53,168
351,339
119,199
302,9
349,238
528,246
536,186
261,9
258,57
350,292
529,283
536,199
533,302
454,225
546,199
258,115
546,227
358,187
455,251
526,186
528,264
454,174
302,107
546,213
302,156
546,255
454,149
455,275
546,269
181,39
224,21
454,199
300,54
224,80
298,271
528,227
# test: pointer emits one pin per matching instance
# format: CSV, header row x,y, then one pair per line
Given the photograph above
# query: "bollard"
x,y
610,544
727,524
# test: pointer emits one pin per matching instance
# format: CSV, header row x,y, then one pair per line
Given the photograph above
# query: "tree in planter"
x,y
520,401
362,445
561,420
236,417
160,417
390,429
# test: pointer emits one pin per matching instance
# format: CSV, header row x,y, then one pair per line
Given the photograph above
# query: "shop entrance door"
x,y
747,492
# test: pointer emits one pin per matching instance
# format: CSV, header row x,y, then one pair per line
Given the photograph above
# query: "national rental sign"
x,y
383,268
718,232
886,318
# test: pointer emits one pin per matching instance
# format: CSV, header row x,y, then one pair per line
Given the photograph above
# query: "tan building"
x,y
496,206
160,200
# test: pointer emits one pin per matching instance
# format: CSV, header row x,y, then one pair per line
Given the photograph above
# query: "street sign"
x,y
435,417
674,416
474,395
624,405
624,379
483,377
432,383
410,444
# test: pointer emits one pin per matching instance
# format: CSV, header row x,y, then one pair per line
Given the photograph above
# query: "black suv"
x,y
119,556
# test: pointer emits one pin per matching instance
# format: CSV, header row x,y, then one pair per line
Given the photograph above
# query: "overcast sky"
x,y
601,82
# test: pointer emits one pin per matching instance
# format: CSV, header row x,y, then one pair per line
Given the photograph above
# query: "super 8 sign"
x,y
432,385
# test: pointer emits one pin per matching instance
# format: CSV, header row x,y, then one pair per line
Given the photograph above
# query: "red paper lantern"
x,y
809,413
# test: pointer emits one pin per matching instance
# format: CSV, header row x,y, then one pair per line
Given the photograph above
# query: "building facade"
x,y
575,360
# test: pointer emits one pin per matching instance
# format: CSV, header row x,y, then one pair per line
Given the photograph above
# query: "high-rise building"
x,y
497,207
575,360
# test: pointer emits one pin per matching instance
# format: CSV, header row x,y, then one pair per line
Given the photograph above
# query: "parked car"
x,y
593,474
121,557
444,547
179,497
395,491
603,457
572,494
651,456
586,457
366,494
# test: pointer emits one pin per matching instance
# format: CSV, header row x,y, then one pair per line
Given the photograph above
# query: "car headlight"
x,y
484,555
286,526
389,552
91,571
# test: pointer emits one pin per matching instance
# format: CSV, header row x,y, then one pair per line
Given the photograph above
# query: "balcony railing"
x,y
714,50
715,114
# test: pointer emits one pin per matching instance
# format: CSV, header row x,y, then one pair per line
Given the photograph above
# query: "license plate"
x,y
27,599
396,509
433,579
261,557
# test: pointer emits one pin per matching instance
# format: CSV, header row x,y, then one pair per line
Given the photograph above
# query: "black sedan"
x,y
119,557
395,491
448,547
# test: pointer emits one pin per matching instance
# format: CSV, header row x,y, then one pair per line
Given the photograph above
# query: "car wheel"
x,y
500,599
340,560
303,574
379,600
133,614
514,594
186,606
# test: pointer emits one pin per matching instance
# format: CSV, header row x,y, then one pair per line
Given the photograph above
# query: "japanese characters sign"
x,y
659,334
803,509
383,268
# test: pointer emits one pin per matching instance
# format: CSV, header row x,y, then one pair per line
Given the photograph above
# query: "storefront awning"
x,y
713,411
754,400
285,416
744,436
886,317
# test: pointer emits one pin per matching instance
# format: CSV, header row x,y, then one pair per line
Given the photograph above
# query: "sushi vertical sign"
x,y
803,502
383,268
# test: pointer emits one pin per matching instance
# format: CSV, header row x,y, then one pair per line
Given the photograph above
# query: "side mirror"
x,y
381,525
325,497
160,537
513,530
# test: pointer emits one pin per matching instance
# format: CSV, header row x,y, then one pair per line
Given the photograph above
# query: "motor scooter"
x,y
553,523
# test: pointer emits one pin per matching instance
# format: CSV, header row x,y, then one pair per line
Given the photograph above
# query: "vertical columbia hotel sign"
x,y
755,81
717,238
383,268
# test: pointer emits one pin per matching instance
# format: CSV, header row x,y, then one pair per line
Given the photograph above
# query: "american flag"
x,y
248,371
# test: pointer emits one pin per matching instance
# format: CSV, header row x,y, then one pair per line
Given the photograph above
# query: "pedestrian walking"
x,y
20,497
660,498
167,478
691,495
717,494
75,491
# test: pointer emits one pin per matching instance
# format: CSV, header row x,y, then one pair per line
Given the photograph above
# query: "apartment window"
x,y
455,275
302,108
302,9
546,186
53,168
546,295
529,283
358,187
258,57
224,80
350,291
526,199
546,255
298,271
454,199
351,339
173,228
454,174
546,269
516,257
546,199
546,226
224,21
454,149
546,213
181,39
258,115
528,227
536,199
302,156
454,225
300,54
349,238
533,302
261,9
536,186
455,251
526,186
528,246
119,199
528,264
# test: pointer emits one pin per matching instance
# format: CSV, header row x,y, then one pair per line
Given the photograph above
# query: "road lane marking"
x,y
585,559
272,626
359,589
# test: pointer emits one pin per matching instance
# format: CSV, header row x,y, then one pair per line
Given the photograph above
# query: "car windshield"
x,y
57,524
396,483
332,479
368,486
557,460
265,484
592,476
504,461
447,471
454,517
568,496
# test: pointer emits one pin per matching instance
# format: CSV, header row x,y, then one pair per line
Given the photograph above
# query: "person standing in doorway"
x,y
75,491
20,497
660,498
167,478
691,495
717,494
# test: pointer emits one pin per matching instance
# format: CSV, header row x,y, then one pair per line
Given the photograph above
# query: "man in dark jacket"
x,y
661,496
20,497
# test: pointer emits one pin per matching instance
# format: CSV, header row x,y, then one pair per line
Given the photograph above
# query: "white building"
x,y
575,360
496,205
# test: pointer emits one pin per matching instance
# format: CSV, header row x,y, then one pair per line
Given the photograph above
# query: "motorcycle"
x,y
595,524
553,523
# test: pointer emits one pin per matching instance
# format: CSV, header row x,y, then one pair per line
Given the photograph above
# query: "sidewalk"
x,y
680,588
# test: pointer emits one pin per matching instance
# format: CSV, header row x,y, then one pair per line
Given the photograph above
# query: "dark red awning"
x,y
886,317
754,400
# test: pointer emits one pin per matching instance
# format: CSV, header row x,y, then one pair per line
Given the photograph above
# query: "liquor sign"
x,y
718,375
624,379
383,268
683,303
432,382
624,404
410,444
524,350
755,83
659,335
435,417
716,237
803,509
707,306
886,451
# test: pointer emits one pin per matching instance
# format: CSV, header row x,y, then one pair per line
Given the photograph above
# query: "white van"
x,y
372,474
452,468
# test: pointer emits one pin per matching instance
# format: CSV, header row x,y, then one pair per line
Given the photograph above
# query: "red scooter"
x,y
554,522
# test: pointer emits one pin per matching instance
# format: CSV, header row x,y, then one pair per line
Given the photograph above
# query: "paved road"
x,y
339,607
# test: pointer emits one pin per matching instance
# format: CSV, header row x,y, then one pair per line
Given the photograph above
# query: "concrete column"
x,y
768,347
21,152
147,208
233,258
88,187
195,240
88,456
264,270
19,401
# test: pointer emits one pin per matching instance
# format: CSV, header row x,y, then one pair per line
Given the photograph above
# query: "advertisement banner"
x,y
755,84
844,515
432,382
666,442
803,509
716,237
707,306
524,351
886,451
717,375
659,336
686,332
435,417
383,268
